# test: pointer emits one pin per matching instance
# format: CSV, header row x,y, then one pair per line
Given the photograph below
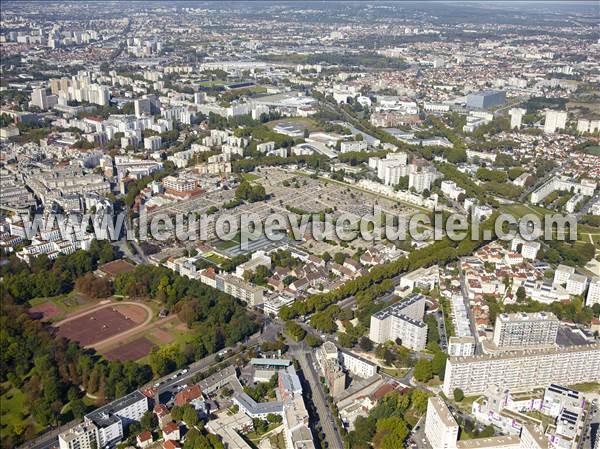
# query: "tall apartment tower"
x,y
593,294
441,429
403,320
39,98
519,330
554,121
82,436
516,115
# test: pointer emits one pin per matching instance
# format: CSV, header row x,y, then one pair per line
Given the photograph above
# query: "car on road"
x,y
185,371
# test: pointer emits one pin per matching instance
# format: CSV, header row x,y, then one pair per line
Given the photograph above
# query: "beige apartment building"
x,y
524,369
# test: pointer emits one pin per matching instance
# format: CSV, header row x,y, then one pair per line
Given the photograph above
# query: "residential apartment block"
x,y
585,187
593,294
82,436
328,361
105,425
402,320
357,365
517,330
441,429
461,346
113,418
238,288
521,370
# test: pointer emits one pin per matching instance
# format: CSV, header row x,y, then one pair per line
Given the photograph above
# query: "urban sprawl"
x,y
384,331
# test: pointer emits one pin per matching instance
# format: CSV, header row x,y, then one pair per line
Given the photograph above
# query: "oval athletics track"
x,y
105,324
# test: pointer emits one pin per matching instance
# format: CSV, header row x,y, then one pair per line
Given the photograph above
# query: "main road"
x,y
326,419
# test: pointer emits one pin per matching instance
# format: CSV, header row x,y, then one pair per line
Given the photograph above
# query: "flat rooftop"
x,y
493,442
522,316
270,362
396,309
106,415
258,408
524,353
442,411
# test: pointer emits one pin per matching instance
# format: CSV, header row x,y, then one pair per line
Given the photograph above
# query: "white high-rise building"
x,y
99,95
522,370
562,274
392,168
82,436
554,121
113,418
451,190
39,98
461,346
593,294
576,284
402,320
533,437
441,429
516,115
141,107
357,365
152,143
421,181
518,330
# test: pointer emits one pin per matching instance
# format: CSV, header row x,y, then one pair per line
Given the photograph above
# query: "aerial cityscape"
x,y
299,225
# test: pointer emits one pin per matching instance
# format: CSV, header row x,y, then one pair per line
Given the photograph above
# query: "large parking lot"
x,y
292,192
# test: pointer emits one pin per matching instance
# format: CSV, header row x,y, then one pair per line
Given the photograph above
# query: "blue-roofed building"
x,y
486,99
289,382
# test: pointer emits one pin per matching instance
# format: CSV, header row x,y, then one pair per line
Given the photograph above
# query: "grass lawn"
x,y
254,436
595,150
277,441
223,245
250,176
586,387
13,411
545,419
180,336
89,402
69,303
214,258
520,210
435,382
464,436
213,83
395,372
301,121
467,403
247,90
412,417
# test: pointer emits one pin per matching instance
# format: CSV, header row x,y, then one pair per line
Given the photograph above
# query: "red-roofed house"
x,y
595,325
162,414
383,390
171,444
171,431
188,395
144,439
208,276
